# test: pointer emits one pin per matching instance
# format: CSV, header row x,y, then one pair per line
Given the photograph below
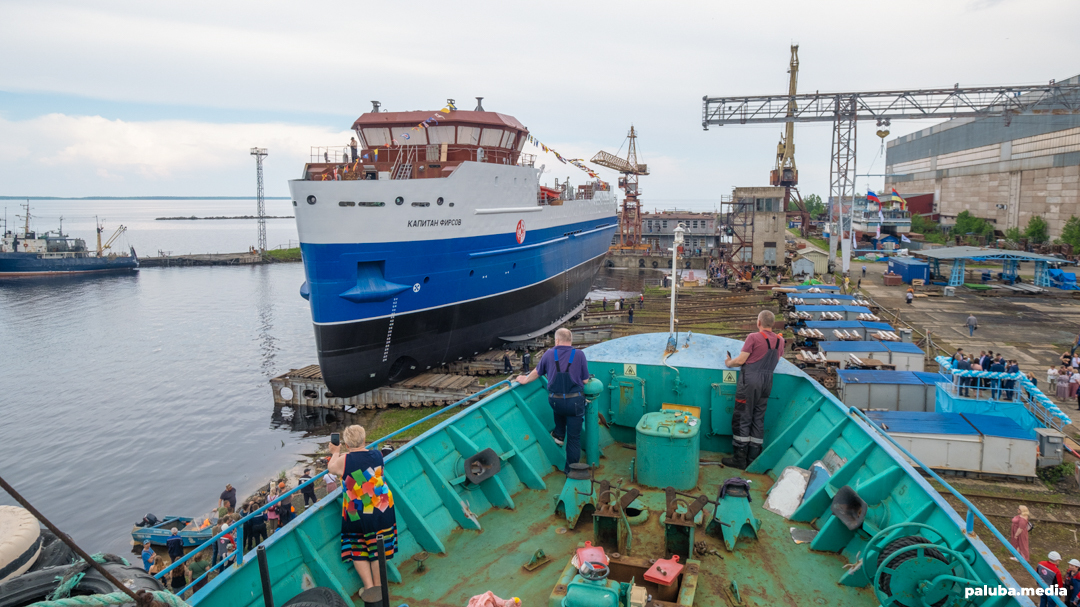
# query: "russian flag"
x,y
870,196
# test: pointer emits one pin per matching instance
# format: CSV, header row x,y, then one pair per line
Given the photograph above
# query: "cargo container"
x,y
889,390
849,312
906,357
968,444
909,269
862,327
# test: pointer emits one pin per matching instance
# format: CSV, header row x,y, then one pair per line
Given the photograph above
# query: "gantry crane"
x,y
630,217
845,109
785,174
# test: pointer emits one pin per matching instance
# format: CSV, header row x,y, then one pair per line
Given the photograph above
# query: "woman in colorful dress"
x,y
367,509
1021,526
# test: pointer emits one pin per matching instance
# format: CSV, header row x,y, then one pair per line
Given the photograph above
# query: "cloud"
x,y
164,157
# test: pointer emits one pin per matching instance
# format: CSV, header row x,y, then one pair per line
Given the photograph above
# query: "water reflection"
x,y
614,283
316,421
268,346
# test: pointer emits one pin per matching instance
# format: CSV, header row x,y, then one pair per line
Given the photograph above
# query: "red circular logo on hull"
x,y
521,231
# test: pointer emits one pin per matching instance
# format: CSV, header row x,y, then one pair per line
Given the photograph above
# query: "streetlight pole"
x,y
674,272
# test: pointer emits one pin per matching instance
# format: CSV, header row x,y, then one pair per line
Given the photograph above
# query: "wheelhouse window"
x,y
377,136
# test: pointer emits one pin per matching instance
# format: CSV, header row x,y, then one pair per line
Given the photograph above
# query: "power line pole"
x,y
259,154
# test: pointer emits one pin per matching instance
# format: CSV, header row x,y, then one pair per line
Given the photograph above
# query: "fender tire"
x,y
20,541
317,596
132,576
54,553
30,587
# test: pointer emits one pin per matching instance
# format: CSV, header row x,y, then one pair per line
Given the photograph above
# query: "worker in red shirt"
x,y
760,353
1049,572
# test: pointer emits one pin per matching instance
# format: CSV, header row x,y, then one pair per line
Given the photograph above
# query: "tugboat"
x,y
53,252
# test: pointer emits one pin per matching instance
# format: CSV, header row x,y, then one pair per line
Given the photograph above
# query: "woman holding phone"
x,y
367,509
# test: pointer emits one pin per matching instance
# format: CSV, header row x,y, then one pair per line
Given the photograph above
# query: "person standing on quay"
x,y
228,498
972,324
630,314
1021,526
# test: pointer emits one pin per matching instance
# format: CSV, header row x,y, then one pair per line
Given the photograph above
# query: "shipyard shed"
x,y
862,327
967,444
906,356
849,312
889,390
803,266
909,269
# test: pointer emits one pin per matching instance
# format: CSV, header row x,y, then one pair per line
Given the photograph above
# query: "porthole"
x,y
439,201
294,203
451,204
311,199
399,201
426,279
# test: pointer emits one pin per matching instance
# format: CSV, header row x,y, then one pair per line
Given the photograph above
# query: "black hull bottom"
x,y
361,356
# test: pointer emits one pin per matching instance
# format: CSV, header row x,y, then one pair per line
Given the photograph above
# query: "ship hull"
x,y
406,275
15,265
360,356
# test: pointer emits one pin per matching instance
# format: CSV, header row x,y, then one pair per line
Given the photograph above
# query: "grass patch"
x,y
285,254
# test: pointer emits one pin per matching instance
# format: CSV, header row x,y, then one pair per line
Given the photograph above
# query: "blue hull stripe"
x,y
442,272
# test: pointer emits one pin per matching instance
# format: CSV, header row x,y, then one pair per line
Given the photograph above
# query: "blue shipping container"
x,y
909,269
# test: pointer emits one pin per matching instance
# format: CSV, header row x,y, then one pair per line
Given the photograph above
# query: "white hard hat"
x,y
1053,556
1074,563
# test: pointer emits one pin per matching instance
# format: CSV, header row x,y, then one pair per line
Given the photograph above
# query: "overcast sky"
x,y
130,98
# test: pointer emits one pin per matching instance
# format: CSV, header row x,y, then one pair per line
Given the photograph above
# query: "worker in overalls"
x,y
760,353
567,371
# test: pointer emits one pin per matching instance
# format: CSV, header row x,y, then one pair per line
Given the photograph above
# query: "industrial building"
x,y
768,225
1003,171
658,230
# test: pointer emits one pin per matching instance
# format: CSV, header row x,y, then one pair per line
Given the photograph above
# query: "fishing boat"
x,y
192,532
434,241
53,253
833,512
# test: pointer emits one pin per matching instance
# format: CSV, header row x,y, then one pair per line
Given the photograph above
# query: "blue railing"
x,y
1033,399
972,511
237,555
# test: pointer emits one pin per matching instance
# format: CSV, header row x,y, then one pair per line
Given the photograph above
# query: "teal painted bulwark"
x,y
479,537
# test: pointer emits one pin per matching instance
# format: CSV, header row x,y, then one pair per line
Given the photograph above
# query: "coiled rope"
x,y
115,598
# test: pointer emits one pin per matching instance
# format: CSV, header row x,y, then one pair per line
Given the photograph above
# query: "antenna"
x,y
375,107
479,107
259,154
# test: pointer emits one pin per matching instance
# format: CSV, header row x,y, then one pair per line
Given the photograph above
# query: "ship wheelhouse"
x,y
421,145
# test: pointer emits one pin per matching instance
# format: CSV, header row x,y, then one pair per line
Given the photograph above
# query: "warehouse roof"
x,y
985,254
911,422
869,346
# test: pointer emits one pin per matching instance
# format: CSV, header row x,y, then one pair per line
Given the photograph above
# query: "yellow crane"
x,y
785,174
630,216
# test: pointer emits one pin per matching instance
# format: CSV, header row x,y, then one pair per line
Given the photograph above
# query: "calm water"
x,y
122,395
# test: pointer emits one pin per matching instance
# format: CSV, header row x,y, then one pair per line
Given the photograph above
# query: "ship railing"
x,y
333,154
236,557
972,511
1022,391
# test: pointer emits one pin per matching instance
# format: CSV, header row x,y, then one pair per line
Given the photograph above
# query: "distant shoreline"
x,y
142,198
194,218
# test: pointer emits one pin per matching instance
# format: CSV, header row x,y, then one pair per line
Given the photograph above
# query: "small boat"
x,y
192,533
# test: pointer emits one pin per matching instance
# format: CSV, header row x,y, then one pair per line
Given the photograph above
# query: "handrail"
x,y
972,510
239,551
1038,399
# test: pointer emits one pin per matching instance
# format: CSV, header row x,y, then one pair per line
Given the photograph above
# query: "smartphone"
x,y
335,439
729,355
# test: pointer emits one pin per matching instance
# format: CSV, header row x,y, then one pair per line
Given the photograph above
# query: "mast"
x,y
98,226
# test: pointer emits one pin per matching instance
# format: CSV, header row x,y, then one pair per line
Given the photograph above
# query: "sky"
x,y
135,98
